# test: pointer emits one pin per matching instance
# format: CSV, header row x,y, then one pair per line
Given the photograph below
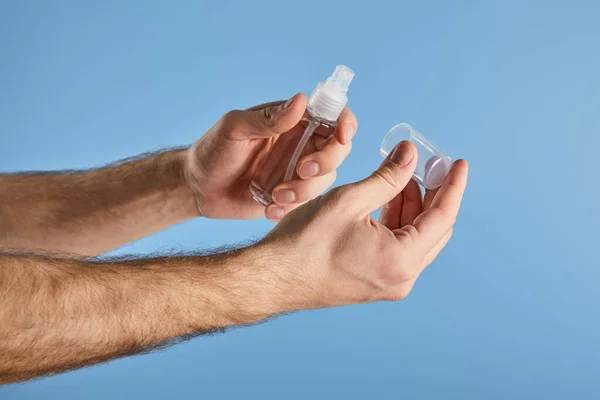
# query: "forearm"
x,y
91,212
62,314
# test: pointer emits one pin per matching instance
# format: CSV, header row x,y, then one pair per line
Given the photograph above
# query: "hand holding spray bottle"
x,y
324,108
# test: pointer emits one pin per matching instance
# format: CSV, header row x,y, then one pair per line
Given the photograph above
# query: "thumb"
x,y
387,181
273,118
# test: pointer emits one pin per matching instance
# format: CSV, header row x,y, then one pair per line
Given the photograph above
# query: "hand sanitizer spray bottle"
x,y
324,108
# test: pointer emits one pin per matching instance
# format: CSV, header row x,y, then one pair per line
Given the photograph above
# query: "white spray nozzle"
x,y
341,77
329,98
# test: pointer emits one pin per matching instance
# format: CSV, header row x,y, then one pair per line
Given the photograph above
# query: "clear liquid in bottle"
x,y
272,171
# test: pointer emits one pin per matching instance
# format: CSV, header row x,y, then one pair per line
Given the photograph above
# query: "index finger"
x,y
433,224
346,127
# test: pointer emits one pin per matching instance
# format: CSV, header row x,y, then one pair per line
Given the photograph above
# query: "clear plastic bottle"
x,y
324,108
432,164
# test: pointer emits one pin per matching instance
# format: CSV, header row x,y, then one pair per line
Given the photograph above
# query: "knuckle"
x,y
388,174
336,195
230,119
231,115
322,211
268,116
407,236
337,200
343,197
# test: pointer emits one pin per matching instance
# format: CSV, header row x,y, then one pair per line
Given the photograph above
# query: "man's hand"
x,y
341,256
221,165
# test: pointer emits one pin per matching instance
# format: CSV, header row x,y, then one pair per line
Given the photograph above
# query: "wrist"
x,y
174,171
257,282
287,274
193,176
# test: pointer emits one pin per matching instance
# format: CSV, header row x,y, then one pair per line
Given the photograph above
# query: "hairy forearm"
x,y
90,212
59,314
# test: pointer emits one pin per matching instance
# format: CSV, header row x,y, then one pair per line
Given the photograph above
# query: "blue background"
x,y
509,309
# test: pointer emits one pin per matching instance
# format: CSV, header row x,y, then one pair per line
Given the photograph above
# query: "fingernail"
x,y
402,154
284,196
275,213
308,169
349,132
289,103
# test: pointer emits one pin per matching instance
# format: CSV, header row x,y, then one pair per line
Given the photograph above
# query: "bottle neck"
x,y
316,116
